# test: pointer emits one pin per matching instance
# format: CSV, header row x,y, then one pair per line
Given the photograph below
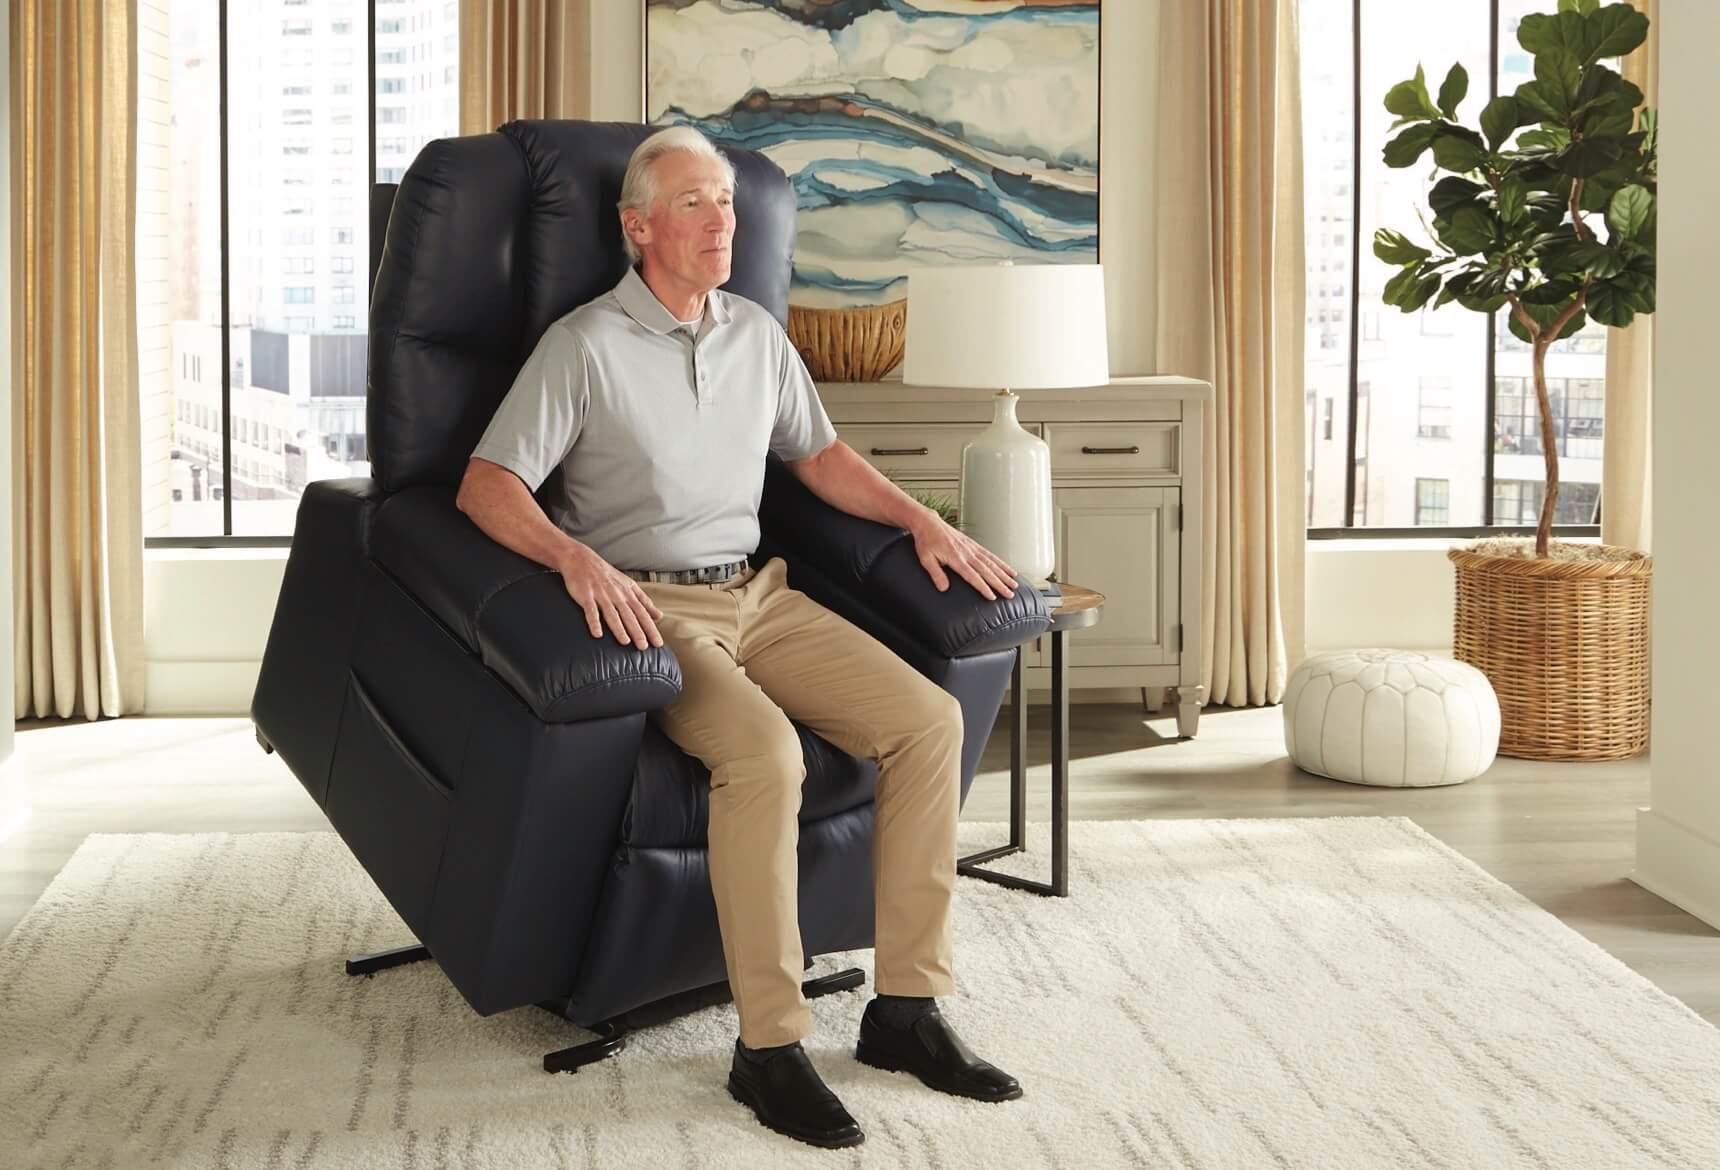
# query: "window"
x,y
1433,501
1375,471
219,464
391,57
390,85
1433,415
391,115
387,27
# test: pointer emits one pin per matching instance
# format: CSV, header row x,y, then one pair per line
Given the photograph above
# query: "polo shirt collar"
x,y
641,304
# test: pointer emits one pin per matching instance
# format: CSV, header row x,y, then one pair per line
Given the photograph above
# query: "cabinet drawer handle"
x,y
901,450
1133,450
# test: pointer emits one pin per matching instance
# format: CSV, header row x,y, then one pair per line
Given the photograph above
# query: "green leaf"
x,y
1469,230
1452,91
1403,150
1395,248
1551,138
1550,293
1513,200
1589,156
1614,31
1456,152
1409,99
1453,192
1597,258
1398,285
1498,120
1560,73
1547,105
1541,32
1628,211
1608,306
1577,321
1583,6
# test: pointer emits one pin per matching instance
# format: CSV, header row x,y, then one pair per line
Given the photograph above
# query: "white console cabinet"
x,y
1125,469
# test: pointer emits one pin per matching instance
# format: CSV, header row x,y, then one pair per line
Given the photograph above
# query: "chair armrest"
x,y
514,614
879,565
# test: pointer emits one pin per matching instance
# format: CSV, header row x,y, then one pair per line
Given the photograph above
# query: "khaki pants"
x,y
755,654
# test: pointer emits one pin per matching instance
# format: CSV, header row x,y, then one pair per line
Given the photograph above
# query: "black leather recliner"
x,y
488,762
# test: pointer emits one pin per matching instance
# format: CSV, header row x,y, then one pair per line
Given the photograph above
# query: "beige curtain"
x,y
1230,310
523,59
77,520
1627,457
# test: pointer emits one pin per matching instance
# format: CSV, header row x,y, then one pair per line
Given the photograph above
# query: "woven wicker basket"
x,y
1565,645
849,345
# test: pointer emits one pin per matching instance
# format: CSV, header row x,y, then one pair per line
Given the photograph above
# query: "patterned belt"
x,y
710,574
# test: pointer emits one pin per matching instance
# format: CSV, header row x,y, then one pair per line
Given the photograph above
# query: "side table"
x,y
1078,609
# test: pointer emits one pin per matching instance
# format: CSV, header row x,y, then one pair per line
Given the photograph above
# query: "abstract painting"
x,y
915,132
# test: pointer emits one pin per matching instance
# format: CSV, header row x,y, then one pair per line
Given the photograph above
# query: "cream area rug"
x,y
1331,994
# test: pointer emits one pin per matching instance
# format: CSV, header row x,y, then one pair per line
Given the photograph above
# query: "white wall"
x,y
1396,593
1678,835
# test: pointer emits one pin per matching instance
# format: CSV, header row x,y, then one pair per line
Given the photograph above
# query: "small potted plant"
x,y
1547,215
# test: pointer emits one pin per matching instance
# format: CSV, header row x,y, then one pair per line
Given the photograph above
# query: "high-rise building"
x,y
298,136
1423,435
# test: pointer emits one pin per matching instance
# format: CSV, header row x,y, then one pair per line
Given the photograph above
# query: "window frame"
x,y
227,539
1354,470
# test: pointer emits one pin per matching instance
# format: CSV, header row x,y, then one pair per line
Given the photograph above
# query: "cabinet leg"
x,y
1189,702
1153,699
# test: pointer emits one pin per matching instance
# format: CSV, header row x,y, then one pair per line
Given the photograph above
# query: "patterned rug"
x,y
1346,994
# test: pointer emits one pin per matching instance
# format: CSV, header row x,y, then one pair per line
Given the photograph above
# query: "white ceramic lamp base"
x,y
1006,493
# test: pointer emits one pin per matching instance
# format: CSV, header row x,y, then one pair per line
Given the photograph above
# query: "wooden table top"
x,y
1078,609
1076,599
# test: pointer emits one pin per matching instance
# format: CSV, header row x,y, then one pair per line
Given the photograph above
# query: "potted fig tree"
x,y
1546,216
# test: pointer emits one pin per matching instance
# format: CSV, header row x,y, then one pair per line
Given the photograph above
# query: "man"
x,y
659,402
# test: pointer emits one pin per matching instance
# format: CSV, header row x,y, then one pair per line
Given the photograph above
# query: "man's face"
x,y
690,229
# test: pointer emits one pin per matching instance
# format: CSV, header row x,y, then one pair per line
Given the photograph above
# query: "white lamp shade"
x,y
1021,326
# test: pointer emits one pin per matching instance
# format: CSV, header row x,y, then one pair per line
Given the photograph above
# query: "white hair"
x,y
639,185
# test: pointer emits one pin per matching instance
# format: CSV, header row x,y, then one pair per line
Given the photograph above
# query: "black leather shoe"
x,y
789,1096
930,1049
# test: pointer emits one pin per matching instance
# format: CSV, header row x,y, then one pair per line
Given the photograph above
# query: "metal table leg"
x,y
970,866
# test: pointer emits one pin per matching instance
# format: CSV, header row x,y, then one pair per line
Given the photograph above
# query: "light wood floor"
x,y
1562,835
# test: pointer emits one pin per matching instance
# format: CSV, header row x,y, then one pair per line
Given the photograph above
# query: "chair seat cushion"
x,y
1390,718
671,802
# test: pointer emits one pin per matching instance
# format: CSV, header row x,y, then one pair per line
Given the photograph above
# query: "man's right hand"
x,y
610,597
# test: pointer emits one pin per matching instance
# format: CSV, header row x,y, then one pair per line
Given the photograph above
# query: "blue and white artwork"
x,y
916,132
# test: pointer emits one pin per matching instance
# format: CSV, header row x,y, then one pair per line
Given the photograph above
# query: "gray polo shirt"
x,y
660,435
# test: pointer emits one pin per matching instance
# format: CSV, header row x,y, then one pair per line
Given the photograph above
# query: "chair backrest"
x,y
492,237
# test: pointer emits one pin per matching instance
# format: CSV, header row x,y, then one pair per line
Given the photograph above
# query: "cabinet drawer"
x,y
906,451
1113,449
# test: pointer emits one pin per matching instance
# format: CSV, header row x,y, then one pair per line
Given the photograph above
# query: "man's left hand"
x,y
940,546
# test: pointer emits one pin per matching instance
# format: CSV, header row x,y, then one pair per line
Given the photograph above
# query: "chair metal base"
x,y
612,1034
386,960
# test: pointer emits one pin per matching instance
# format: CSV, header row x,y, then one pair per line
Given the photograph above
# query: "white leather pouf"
x,y
1392,718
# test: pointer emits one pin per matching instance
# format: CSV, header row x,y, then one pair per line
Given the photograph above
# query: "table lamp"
x,y
1017,327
